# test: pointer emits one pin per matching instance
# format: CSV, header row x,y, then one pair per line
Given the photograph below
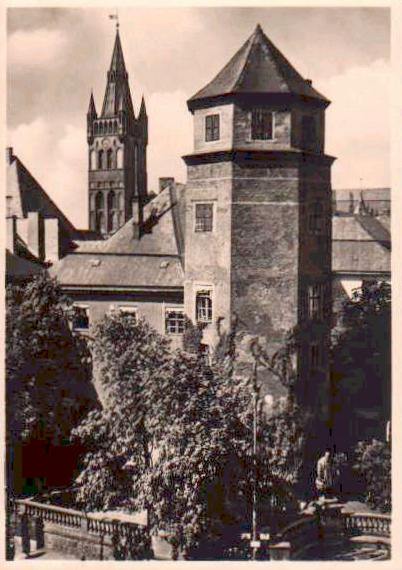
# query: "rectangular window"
x,y
174,321
262,124
204,217
315,356
127,310
80,318
203,306
315,301
212,128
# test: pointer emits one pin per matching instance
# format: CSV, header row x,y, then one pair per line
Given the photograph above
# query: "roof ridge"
x,y
250,40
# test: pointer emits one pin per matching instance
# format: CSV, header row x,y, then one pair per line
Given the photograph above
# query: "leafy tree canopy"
x,y
48,369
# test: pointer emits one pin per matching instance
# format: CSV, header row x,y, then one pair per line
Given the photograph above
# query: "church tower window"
x,y
109,159
100,159
204,217
262,122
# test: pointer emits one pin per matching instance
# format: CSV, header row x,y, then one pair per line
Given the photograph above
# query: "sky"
x,y
56,56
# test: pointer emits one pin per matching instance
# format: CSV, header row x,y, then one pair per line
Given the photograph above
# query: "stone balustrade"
x,y
370,524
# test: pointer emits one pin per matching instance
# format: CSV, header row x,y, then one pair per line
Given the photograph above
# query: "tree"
x,y
361,360
48,369
373,463
175,435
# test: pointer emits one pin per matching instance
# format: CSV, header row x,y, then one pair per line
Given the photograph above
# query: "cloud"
x,y
36,48
57,157
170,135
358,124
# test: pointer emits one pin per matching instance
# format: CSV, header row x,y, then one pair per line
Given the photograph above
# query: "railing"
x,y
76,519
368,524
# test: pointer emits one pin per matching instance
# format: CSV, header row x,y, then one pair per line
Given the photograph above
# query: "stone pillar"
x,y
25,539
39,533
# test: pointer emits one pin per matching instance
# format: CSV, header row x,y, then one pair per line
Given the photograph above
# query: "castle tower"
x,y
258,225
117,143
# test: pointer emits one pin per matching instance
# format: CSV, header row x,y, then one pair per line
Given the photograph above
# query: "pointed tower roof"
x,y
92,108
117,94
143,111
258,68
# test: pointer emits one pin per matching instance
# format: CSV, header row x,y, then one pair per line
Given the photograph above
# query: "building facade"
x,y
248,238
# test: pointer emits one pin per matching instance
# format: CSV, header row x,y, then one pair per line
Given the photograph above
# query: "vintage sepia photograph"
x,y
198,284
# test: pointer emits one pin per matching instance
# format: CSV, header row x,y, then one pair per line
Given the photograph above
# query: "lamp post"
x,y
255,543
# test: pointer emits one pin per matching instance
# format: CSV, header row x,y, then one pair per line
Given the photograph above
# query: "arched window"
x,y
111,200
100,222
100,159
110,126
115,126
109,157
96,128
99,201
101,128
136,170
92,160
120,157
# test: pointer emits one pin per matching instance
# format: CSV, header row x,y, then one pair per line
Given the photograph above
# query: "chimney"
x,y
11,231
52,240
137,218
9,155
35,236
165,182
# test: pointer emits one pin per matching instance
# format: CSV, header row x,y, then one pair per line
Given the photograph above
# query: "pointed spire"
x,y
117,95
143,111
92,109
117,64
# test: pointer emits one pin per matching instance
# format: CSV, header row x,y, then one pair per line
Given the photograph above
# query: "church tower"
x,y
117,143
258,225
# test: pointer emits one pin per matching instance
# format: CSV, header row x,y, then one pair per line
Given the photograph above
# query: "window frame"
x,y
198,229
315,356
315,301
206,293
128,310
176,310
212,132
254,136
86,309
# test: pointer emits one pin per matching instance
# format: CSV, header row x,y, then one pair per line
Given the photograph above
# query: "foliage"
x,y
175,434
361,353
373,462
48,369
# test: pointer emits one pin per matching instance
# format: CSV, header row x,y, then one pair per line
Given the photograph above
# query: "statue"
x,y
325,473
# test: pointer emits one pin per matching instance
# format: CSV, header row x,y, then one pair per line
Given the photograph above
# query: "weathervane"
x,y
115,17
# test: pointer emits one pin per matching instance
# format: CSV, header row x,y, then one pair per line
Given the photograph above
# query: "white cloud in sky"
x,y
358,125
36,48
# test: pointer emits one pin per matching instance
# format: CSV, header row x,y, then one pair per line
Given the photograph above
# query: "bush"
x,y
373,463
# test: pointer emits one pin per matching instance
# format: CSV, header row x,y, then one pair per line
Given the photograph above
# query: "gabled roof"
x,y
360,244
122,261
258,68
27,195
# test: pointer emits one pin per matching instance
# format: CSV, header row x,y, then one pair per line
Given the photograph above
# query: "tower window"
x,y
262,124
203,306
174,321
316,218
204,217
315,299
315,356
100,159
212,128
109,159
80,318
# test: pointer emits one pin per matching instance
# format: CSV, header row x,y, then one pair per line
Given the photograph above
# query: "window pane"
x,y
174,321
212,128
203,217
80,318
261,124
204,306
